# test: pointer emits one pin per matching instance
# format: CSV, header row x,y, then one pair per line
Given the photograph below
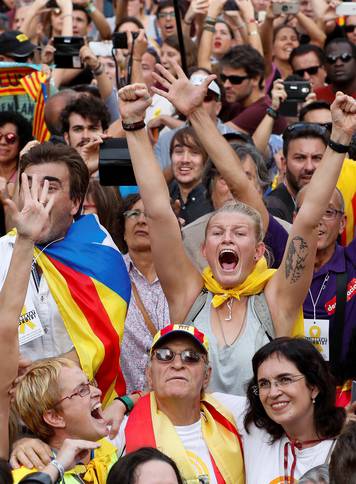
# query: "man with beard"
x,y
303,148
84,120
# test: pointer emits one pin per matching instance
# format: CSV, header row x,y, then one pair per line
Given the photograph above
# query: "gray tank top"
x,y
232,365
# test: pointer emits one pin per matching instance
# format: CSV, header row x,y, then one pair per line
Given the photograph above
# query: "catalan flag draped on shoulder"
x,y
87,277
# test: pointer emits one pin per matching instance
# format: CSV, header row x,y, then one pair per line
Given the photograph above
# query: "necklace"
x,y
228,319
229,304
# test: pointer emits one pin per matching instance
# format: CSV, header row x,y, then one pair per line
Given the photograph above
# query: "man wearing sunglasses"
x,y
307,61
340,64
242,74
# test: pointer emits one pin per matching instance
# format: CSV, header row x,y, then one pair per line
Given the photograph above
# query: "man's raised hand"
x,y
37,205
185,96
134,99
343,113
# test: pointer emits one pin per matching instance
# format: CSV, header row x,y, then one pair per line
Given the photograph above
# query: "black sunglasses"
x,y
318,129
233,79
345,57
310,70
349,28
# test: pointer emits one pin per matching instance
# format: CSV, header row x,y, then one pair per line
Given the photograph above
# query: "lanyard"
x,y
299,445
318,296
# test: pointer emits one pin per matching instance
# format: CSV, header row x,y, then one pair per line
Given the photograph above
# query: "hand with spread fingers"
x,y
37,205
134,99
185,96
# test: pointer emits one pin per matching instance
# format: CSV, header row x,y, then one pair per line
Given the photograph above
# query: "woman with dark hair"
x,y
148,308
170,52
145,466
106,203
291,420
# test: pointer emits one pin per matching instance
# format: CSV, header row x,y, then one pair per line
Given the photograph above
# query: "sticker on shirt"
x,y
330,306
317,332
199,466
30,326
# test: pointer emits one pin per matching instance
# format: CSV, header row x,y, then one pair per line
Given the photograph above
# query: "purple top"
x,y
344,259
275,240
137,339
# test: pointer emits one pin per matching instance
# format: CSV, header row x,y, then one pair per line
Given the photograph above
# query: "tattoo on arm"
x,y
297,253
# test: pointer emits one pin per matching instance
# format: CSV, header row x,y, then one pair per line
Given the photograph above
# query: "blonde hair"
x,y
39,391
240,207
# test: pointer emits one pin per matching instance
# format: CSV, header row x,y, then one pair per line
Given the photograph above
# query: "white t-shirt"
x,y
192,439
264,463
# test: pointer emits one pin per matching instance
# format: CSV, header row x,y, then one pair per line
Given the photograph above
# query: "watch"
x,y
272,112
338,147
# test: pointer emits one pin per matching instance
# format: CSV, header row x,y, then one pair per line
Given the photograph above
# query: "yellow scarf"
x,y
222,443
95,472
253,284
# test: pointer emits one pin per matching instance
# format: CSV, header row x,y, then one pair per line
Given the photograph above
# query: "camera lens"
x,y
284,8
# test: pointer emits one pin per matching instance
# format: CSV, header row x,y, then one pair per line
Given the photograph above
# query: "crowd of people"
x,y
177,241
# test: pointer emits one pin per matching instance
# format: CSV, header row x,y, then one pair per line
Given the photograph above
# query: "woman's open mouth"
x,y
228,259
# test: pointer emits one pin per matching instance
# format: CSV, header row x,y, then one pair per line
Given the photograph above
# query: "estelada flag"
x,y
88,280
17,78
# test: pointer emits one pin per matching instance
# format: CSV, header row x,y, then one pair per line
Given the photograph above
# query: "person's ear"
x,y
66,138
218,106
343,222
149,376
54,419
207,376
260,251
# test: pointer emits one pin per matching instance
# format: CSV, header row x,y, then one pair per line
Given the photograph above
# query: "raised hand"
x,y
73,451
343,113
185,96
278,94
134,99
34,215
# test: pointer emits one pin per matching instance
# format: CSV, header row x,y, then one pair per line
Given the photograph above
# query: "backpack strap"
x,y
336,342
264,316
198,305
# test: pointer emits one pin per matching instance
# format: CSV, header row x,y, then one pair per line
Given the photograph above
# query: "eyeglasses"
x,y
10,138
309,70
134,213
82,391
189,357
233,79
329,214
264,386
166,15
345,57
349,28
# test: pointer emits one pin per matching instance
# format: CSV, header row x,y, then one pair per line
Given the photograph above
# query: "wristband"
x,y
98,70
59,468
338,147
133,126
90,8
272,112
126,400
209,28
210,20
253,32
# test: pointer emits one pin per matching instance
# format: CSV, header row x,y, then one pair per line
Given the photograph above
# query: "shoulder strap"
x,y
327,460
264,315
336,341
198,305
148,322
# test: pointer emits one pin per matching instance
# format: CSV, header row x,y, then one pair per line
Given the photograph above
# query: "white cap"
x,y
197,78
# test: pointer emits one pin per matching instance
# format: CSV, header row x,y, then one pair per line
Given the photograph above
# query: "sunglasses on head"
x,y
210,96
349,28
10,138
318,129
345,57
165,355
233,79
309,70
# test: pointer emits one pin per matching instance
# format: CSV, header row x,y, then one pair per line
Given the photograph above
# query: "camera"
x,y
67,55
286,8
119,39
115,167
297,91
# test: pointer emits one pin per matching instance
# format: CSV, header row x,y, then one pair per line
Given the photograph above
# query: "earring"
x,y
313,400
